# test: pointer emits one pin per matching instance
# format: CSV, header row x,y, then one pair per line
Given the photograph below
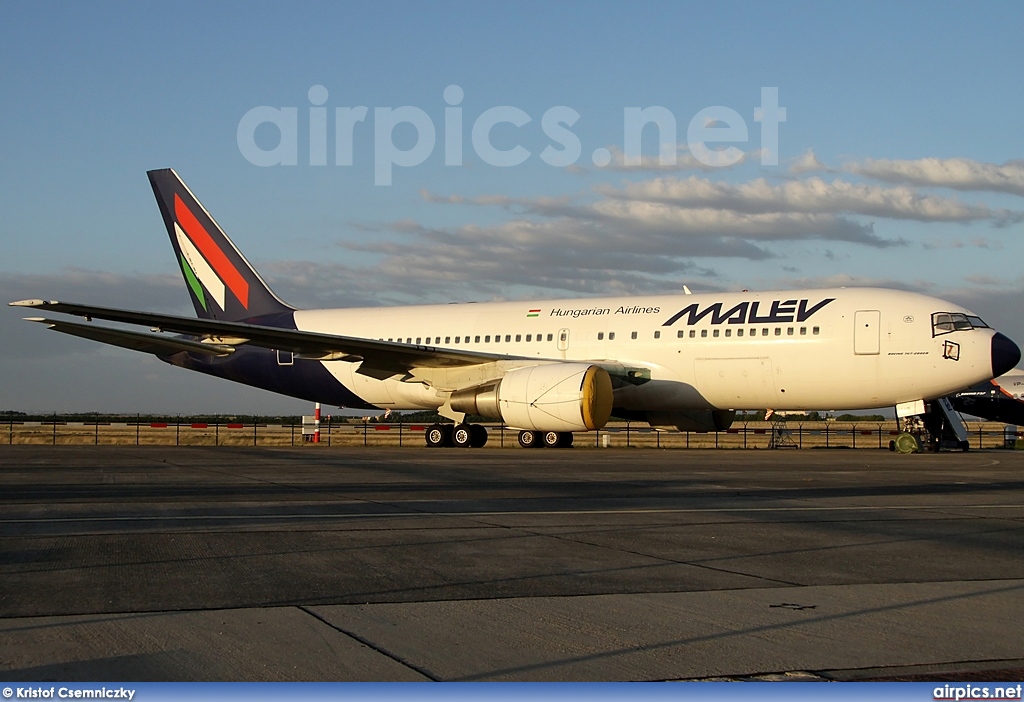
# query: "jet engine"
x,y
547,397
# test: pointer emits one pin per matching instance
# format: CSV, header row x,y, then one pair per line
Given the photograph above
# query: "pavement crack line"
x,y
366,642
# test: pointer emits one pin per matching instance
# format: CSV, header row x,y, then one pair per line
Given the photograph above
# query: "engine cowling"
x,y
692,420
547,397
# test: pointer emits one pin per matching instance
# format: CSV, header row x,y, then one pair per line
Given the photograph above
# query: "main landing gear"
x,y
475,436
458,435
551,439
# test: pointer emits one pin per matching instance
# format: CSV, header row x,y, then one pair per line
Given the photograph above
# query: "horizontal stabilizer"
x,y
145,342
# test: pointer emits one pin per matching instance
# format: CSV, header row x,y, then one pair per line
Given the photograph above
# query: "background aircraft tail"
x,y
223,285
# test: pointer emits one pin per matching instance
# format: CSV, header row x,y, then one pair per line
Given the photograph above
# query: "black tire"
x,y
529,439
557,439
436,436
462,436
478,436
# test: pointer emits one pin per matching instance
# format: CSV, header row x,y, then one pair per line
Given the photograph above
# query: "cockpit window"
x,y
946,322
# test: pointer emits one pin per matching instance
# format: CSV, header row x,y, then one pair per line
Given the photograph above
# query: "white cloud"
x,y
806,163
954,173
810,196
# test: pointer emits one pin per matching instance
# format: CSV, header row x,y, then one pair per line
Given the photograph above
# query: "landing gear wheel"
x,y
557,439
529,439
438,435
478,436
462,436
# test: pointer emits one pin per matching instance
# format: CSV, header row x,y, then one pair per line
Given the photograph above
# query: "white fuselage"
x,y
1012,383
844,348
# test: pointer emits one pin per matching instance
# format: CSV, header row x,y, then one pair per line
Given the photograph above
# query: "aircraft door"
x,y
563,341
867,326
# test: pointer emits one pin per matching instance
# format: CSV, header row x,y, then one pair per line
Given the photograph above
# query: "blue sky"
x,y
896,164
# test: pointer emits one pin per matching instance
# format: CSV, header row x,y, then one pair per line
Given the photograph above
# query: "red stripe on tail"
x,y
211,252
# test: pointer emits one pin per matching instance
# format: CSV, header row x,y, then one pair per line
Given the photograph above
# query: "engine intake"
x,y
547,397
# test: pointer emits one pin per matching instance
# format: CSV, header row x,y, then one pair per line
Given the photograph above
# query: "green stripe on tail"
x,y
193,282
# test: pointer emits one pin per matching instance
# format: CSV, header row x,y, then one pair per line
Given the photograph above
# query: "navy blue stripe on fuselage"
x,y
260,368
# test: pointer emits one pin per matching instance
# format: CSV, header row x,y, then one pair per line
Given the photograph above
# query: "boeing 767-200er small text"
x,y
551,368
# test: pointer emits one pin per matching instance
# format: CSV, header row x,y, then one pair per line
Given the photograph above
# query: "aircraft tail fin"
x,y
222,284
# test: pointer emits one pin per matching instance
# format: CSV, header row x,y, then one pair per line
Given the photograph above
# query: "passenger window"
x,y
693,333
457,339
803,331
739,332
679,334
611,336
529,337
408,340
753,332
476,340
789,331
728,333
447,340
487,339
633,335
600,336
764,331
703,333
715,333
657,335
778,331
519,337
508,337
551,337
814,330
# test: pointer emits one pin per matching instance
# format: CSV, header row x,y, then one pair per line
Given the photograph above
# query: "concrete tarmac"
x,y
155,563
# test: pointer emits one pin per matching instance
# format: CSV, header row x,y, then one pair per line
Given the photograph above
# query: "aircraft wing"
x,y
380,359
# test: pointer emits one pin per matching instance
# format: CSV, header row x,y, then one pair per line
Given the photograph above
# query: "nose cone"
x,y
1005,354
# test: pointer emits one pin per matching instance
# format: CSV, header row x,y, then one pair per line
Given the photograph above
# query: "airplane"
x,y
551,368
999,400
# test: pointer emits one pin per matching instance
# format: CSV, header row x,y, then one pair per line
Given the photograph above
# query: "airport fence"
x,y
742,435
